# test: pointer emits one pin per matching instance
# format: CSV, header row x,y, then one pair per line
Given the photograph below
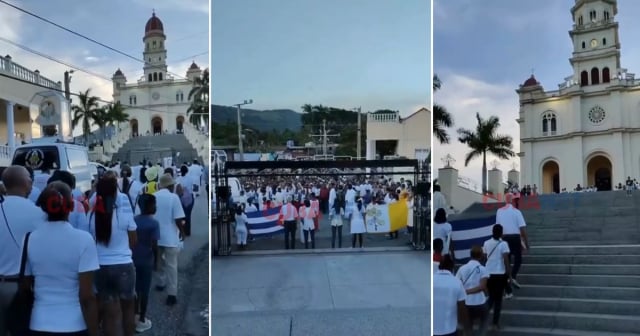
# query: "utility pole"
x,y
325,137
240,145
67,82
359,143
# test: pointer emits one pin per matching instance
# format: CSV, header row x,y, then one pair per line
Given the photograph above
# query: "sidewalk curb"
x,y
324,251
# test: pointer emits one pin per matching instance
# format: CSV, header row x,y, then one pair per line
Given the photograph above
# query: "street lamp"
x,y
238,106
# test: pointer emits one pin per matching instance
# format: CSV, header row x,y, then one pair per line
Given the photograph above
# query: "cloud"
x,y
463,96
201,6
10,23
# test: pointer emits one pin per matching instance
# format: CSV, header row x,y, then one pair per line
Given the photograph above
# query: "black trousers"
x,y
353,239
496,286
515,256
290,228
478,313
309,234
336,231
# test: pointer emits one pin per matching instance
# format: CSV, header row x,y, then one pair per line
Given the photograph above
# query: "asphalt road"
x,y
349,293
171,321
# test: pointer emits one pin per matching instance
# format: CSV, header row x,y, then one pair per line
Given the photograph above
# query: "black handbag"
x,y
19,311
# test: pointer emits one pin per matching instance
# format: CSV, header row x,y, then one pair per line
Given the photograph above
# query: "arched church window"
x,y
606,15
181,96
549,124
131,100
580,21
606,77
604,41
150,78
545,126
592,15
584,78
155,76
553,125
595,76
160,76
135,100
177,97
154,44
584,45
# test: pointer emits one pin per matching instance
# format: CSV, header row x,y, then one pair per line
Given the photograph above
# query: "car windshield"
x,y
37,158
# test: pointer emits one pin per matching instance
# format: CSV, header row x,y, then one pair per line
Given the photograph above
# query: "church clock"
x,y
594,43
155,96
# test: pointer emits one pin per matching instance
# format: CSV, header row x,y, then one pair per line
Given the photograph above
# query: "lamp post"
x,y
238,106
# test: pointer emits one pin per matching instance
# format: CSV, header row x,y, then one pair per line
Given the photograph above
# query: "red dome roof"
x,y
531,82
153,24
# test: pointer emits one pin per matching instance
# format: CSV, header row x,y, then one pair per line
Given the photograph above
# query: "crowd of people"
x,y
304,200
464,295
89,258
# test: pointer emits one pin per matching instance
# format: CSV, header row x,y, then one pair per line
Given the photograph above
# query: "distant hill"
x,y
264,121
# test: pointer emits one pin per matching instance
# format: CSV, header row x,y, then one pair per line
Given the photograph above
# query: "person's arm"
x,y
178,214
523,229
87,265
482,287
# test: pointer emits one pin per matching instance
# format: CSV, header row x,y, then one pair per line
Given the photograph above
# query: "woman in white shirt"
x,y
60,266
241,228
114,230
307,215
336,215
443,230
357,223
497,255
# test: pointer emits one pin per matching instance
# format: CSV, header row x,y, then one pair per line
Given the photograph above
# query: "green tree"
x,y
485,140
87,112
442,119
199,97
114,114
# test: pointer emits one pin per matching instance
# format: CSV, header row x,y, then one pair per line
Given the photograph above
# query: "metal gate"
x,y
222,212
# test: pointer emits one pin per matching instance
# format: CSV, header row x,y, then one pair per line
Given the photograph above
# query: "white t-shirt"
x,y
23,216
34,194
443,231
439,201
241,222
447,292
511,219
78,217
57,253
168,209
307,215
495,250
118,251
470,275
40,180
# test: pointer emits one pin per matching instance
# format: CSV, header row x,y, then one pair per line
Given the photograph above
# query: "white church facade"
x,y
587,132
158,101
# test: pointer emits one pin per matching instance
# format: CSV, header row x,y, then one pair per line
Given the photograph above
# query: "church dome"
x,y
531,82
194,66
118,73
153,25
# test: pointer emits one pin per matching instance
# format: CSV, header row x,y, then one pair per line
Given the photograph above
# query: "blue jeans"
x,y
144,273
187,214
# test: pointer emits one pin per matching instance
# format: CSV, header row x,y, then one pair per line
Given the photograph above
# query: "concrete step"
x,y
588,259
572,305
571,321
585,249
545,331
629,281
580,292
581,269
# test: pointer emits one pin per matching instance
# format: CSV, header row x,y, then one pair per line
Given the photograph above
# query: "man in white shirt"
x,y
439,201
289,215
332,194
171,218
19,216
497,255
515,234
474,278
448,301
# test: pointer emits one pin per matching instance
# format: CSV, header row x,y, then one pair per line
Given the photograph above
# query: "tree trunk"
x,y
484,172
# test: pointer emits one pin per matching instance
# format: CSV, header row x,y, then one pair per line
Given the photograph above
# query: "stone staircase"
x,y
155,148
582,274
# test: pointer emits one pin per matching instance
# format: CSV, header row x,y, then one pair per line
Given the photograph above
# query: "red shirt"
x,y
437,257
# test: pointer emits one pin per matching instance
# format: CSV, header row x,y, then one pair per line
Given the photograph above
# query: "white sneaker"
x,y
143,326
508,296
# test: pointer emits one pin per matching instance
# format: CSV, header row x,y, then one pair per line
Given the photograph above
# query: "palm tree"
x,y
441,117
114,115
199,97
485,140
88,112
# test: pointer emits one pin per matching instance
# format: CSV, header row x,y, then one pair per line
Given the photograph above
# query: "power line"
x,y
80,35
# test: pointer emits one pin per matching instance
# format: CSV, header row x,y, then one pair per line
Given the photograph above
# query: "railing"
x,y
198,139
383,117
469,184
595,24
6,154
15,70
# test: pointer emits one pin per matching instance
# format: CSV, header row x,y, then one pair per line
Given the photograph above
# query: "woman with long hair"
x,y
336,215
60,267
357,222
114,230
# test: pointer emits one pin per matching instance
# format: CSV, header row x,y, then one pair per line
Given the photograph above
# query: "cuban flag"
x,y
264,222
468,233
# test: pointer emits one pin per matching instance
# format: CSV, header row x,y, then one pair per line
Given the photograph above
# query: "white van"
x,y
56,156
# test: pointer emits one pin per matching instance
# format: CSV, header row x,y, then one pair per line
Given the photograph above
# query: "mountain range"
x,y
261,120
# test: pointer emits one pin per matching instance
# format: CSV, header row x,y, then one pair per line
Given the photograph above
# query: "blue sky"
x,y
286,53
483,50
117,23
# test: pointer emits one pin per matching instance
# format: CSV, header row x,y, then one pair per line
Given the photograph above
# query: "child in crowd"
x,y
145,256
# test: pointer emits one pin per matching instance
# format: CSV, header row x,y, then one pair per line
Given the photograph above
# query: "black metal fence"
x,y
222,215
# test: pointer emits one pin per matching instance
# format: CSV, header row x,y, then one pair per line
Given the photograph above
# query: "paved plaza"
x,y
349,293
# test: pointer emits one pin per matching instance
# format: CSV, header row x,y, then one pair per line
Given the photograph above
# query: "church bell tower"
x,y
596,43
155,53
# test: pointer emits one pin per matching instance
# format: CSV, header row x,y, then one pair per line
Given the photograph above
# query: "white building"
x,y
156,102
409,137
587,132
